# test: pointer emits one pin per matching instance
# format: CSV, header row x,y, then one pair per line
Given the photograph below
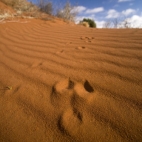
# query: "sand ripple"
x,y
69,83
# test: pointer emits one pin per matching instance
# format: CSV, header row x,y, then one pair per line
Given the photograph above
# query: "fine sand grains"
x,y
69,83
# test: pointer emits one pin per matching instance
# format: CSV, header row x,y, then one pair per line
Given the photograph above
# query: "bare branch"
x,y
115,23
45,6
107,24
68,12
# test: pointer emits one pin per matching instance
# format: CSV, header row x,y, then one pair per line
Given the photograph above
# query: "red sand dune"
x,y
69,83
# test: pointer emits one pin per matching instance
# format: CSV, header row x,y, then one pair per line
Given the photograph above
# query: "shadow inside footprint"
x,y
70,84
61,93
36,64
88,87
62,51
81,47
61,127
77,114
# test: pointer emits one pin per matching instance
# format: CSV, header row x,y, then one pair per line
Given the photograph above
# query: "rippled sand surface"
x,y
67,83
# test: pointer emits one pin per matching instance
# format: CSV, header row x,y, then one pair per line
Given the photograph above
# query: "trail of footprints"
x,y
87,39
70,97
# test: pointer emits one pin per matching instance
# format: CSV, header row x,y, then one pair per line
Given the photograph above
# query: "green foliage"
x,y
90,22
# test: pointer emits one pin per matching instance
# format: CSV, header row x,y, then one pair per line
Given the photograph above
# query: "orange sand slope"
x,y
69,83
6,9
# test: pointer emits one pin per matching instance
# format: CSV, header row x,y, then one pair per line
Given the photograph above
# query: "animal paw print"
x,y
81,47
68,43
69,96
87,39
61,93
36,64
59,52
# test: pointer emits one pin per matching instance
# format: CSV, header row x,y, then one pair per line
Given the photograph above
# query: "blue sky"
x,y
107,10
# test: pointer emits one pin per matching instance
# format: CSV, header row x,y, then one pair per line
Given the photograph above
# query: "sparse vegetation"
x,y
67,13
17,4
107,24
85,24
45,6
91,22
20,6
117,23
10,2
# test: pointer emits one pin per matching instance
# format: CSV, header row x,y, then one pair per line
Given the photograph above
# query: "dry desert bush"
x,y
85,24
124,23
20,5
18,8
45,6
67,12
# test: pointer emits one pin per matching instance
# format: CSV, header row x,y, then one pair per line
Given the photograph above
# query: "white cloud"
x,y
136,21
100,24
128,12
124,0
95,10
112,13
80,9
78,19
131,14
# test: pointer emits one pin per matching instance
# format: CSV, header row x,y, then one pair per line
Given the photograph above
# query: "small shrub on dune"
x,y
85,24
91,22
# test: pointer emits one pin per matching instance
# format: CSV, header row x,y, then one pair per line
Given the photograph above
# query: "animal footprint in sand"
x,y
70,96
81,47
61,92
87,39
70,121
59,52
68,43
36,64
64,90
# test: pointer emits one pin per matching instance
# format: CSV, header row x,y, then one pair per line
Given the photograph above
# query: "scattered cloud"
x,y
124,0
95,10
136,21
112,13
79,18
128,12
80,9
100,24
